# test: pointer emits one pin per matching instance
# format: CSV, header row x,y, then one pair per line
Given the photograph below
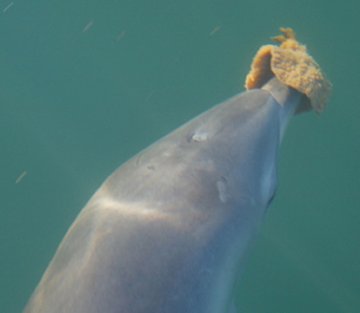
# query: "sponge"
x,y
293,66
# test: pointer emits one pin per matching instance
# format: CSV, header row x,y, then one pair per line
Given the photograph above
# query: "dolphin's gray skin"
x,y
165,232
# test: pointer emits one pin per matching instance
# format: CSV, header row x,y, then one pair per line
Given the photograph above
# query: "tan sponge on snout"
x,y
291,64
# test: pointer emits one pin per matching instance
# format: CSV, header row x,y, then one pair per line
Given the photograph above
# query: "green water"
x,y
84,85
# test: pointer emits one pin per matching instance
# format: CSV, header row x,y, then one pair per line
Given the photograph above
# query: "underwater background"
x,y
84,85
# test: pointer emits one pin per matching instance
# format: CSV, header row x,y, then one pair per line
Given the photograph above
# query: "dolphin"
x,y
168,230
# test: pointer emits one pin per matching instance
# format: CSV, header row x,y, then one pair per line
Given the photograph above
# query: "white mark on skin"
x,y
166,154
222,190
88,26
199,137
20,177
8,6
